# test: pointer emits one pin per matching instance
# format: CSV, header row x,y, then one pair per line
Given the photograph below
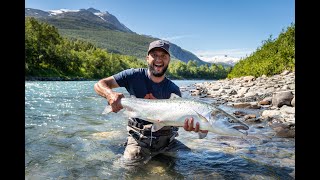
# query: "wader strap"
x,y
166,132
150,140
140,128
133,123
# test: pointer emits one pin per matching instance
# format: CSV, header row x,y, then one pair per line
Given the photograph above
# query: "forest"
x,y
49,54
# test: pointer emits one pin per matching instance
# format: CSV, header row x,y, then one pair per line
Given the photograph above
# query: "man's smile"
x,y
158,67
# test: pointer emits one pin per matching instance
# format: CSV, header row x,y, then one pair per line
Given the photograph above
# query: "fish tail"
x,y
107,109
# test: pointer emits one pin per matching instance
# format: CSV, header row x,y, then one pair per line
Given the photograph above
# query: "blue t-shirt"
x,y
138,83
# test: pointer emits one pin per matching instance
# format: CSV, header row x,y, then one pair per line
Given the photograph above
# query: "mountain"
x,y
104,30
78,19
223,60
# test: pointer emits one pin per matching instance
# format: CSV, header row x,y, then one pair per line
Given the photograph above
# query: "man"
x,y
149,83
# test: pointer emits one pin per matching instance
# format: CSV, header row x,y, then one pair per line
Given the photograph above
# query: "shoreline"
x,y
273,97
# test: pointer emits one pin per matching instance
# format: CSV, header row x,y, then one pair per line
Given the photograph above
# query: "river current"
x,y
68,137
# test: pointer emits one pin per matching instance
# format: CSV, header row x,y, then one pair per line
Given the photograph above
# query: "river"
x,y
67,137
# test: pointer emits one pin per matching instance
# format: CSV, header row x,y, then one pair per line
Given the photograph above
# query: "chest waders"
x,y
140,130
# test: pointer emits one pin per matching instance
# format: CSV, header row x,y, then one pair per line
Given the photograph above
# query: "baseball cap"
x,y
161,44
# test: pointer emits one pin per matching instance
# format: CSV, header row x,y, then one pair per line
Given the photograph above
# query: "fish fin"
x,y
205,120
155,127
107,109
173,96
201,117
202,135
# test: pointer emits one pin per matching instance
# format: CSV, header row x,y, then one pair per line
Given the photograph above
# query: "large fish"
x,y
174,111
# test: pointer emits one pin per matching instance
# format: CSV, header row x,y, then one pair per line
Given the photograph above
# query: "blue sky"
x,y
207,28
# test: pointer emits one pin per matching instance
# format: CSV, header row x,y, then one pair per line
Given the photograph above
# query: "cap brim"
x,y
161,48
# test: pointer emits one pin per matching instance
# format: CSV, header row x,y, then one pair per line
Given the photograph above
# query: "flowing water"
x,y
67,137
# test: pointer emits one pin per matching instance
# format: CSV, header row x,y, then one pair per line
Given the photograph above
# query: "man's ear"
x,y
147,57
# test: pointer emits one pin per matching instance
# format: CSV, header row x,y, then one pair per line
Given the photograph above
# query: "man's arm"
x,y
104,88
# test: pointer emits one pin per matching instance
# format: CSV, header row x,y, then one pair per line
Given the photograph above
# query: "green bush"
x,y
273,57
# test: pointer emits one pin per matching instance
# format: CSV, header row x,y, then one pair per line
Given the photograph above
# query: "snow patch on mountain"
x,y
60,11
100,15
221,59
224,56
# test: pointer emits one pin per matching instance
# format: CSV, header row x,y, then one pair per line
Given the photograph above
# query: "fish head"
x,y
224,123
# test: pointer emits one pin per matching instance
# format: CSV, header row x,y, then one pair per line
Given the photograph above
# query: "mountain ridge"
x,y
224,60
78,23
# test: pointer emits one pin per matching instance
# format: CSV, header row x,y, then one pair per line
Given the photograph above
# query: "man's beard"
x,y
155,73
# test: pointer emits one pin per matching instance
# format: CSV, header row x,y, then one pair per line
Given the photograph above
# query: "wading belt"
x,y
139,123
139,127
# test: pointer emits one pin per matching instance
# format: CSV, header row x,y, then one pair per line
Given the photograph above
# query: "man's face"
x,y
158,61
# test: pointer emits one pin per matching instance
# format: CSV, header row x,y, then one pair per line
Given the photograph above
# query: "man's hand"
x,y
188,126
114,101
149,96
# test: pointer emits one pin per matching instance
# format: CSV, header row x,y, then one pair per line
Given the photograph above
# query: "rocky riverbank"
x,y
273,97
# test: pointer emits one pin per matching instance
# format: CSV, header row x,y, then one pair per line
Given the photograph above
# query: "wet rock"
x,y
283,130
249,116
266,101
270,113
285,133
293,101
195,92
249,105
287,109
282,98
239,113
241,105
